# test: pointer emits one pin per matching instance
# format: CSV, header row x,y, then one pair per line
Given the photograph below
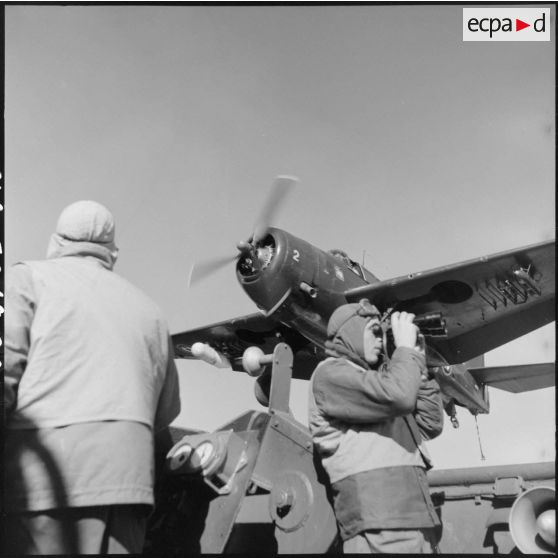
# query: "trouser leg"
x,y
45,532
391,541
88,530
126,529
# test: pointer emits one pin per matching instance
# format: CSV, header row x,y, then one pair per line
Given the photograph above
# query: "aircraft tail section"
x,y
516,378
477,362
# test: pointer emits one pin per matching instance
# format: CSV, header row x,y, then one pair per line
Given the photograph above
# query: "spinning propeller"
x,y
279,189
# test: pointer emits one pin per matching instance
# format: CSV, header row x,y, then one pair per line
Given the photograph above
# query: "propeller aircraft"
x,y
463,310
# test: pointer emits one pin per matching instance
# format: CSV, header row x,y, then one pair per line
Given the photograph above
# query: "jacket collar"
x,y
60,247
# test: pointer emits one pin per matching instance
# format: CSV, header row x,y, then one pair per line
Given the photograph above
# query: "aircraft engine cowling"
x,y
532,521
274,267
257,258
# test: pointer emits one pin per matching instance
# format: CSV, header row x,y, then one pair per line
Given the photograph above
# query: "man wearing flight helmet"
x,y
369,417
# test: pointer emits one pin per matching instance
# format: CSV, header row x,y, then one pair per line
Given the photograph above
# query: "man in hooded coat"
x,y
89,380
369,417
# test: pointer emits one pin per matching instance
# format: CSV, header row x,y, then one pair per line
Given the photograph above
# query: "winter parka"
x,y
369,427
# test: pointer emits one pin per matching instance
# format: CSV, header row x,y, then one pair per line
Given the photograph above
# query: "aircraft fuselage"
x,y
300,286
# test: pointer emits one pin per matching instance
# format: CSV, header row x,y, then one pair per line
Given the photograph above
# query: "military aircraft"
x,y
255,485
463,310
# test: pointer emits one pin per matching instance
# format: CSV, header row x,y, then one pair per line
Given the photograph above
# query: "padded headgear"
x,y
86,221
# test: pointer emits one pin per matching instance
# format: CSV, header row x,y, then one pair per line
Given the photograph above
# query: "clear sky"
x,y
414,149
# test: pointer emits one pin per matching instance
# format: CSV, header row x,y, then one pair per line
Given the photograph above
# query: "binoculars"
x,y
429,325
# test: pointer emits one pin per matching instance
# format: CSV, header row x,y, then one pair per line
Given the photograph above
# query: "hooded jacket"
x,y
89,377
76,330
369,427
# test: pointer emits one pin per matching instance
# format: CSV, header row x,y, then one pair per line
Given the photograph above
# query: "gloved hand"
x,y
403,329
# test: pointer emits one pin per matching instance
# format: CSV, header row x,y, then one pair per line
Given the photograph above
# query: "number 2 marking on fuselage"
x,y
296,256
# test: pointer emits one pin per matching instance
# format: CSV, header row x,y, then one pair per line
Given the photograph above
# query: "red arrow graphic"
x,y
519,25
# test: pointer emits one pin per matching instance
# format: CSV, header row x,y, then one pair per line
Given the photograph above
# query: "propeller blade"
x,y
280,188
205,269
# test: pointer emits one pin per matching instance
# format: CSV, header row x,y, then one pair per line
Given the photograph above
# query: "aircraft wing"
x,y
232,337
517,378
485,302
